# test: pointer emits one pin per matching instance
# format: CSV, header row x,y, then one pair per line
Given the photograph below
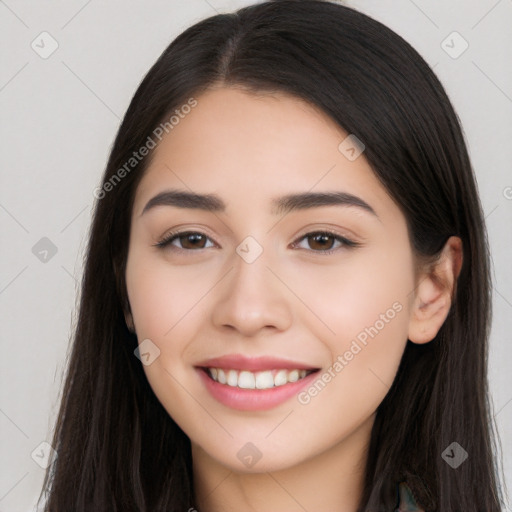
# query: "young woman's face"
x,y
307,328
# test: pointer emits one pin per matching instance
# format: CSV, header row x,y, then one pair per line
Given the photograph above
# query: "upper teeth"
x,y
256,380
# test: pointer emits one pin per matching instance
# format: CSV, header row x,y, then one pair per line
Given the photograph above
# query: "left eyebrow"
x,y
307,200
280,205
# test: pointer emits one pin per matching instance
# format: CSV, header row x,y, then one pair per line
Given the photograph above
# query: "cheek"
x,y
165,302
366,305
169,305
360,291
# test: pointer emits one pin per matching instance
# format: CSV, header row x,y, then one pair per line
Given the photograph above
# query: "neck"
x,y
330,480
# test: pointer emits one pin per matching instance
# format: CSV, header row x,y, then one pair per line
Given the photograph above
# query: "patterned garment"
x,y
407,501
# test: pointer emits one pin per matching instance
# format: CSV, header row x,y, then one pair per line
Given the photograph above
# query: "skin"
x,y
292,302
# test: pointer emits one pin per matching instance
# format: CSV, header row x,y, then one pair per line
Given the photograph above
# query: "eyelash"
x,y
345,242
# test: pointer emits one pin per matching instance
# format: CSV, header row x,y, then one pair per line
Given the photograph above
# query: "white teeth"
x,y
256,380
246,380
293,376
221,376
232,378
281,378
264,380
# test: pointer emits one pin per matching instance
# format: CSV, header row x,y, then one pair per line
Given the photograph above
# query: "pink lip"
x,y
252,399
253,364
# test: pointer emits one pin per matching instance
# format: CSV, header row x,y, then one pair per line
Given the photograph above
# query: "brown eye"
x,y
192,241
325,241
321,241
189,240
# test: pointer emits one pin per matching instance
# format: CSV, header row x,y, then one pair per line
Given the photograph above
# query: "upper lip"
x,y
240,362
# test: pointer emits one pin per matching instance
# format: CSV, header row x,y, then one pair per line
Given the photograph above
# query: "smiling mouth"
x,y
267,379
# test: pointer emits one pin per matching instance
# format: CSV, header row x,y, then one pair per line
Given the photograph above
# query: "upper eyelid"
x,y
170,236
175,234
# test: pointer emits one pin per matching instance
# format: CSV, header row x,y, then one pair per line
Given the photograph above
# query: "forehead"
x,y
241,121
248,146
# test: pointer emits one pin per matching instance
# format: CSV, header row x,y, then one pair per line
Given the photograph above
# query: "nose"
x,y
252,299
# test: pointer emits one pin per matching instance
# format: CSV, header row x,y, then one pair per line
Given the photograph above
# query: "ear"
x,y
434,293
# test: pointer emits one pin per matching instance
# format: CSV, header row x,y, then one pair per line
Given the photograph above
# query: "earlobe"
x,y
435,292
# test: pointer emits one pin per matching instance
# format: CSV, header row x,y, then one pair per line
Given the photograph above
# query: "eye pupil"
x,y
191,237
321,239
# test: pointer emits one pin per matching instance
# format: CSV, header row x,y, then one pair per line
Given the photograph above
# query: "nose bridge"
x,y
252,298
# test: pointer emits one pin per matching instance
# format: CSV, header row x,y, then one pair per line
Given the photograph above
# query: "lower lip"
x,y
253,399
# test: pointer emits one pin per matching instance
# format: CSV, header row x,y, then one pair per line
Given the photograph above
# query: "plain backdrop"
x,y
69,70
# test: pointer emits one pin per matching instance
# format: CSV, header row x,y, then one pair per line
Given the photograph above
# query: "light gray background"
x,y
59,118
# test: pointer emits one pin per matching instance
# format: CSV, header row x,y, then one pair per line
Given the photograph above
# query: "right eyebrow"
x,y
184,199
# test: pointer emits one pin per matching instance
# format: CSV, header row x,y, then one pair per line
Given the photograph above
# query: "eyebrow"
x,y
280,205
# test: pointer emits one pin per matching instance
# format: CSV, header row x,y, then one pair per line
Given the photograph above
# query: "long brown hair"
x,y
118,448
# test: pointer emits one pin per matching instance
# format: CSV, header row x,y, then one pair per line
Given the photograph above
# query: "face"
x,y
274,325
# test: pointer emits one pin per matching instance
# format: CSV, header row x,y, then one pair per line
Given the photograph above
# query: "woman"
x,y
285,303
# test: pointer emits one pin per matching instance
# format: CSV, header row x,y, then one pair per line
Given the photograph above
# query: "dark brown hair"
x,y
118,448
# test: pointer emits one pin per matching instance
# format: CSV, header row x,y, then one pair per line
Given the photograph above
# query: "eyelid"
x,y
165,240
346,242
335,230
